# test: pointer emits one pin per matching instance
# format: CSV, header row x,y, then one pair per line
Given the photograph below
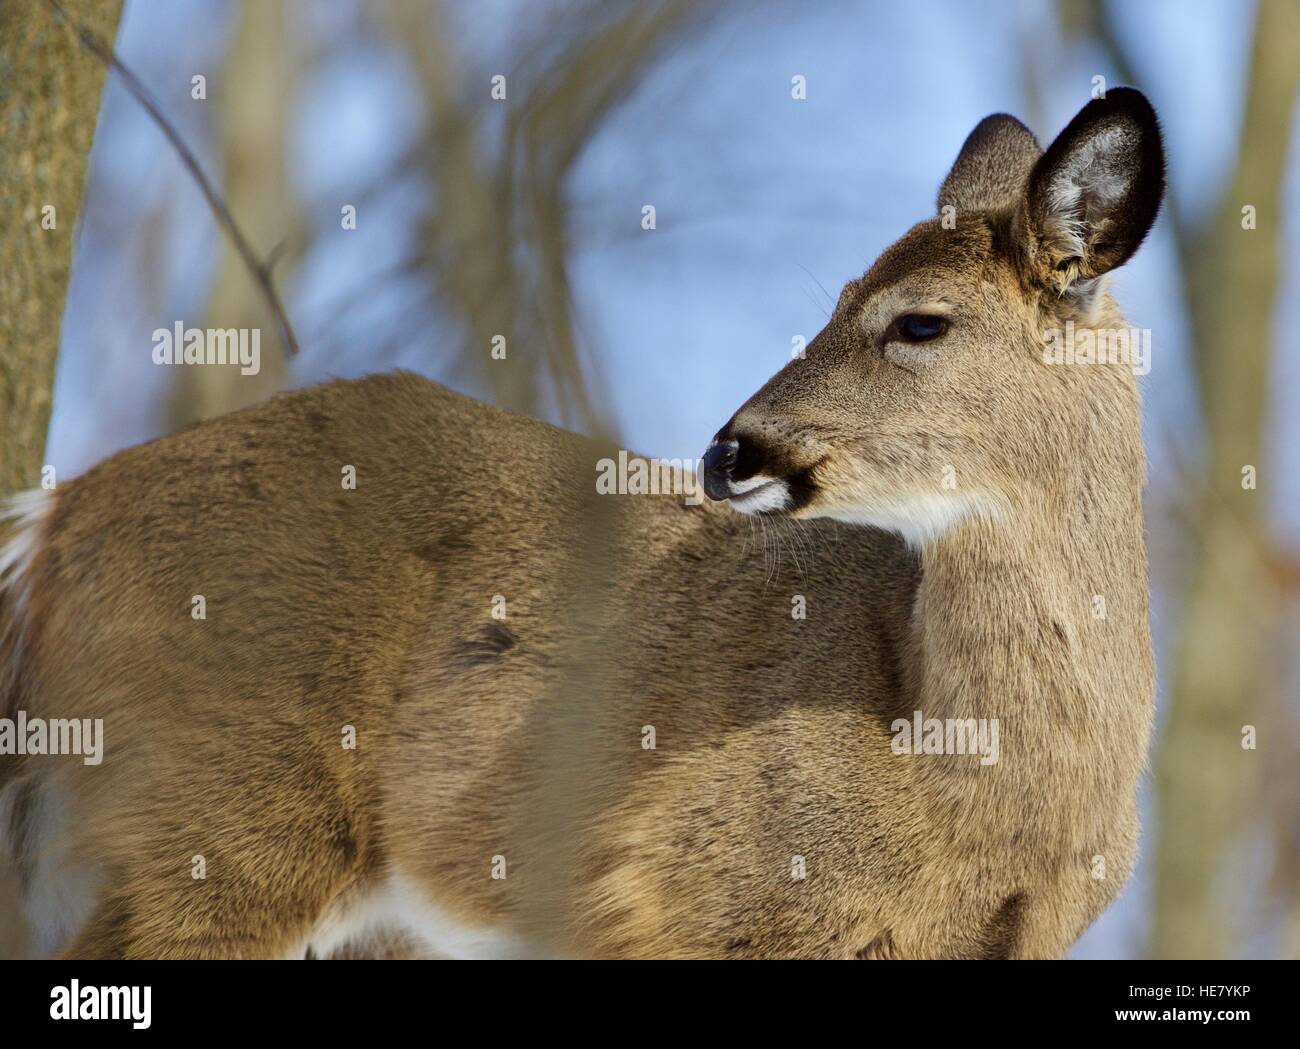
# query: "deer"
x,y
470,703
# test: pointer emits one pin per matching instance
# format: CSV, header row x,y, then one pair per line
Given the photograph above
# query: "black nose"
x,y
719,461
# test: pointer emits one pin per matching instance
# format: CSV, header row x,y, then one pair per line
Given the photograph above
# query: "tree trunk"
x,y
49,100
1222,674
254,96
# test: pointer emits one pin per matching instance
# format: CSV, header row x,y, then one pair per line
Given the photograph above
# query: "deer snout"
x,y
719,463
733,469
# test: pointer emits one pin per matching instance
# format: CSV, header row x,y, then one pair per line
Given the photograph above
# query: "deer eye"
x,y
920,327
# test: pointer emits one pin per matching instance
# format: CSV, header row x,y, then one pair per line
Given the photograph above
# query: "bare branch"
x,y
261,272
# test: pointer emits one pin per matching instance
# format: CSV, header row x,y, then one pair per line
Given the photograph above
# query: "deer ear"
x,y
990,171
1094,194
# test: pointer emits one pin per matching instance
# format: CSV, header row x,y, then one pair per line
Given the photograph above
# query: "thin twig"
x,y
261,272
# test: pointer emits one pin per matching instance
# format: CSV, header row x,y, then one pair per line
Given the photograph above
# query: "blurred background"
x,y
408,217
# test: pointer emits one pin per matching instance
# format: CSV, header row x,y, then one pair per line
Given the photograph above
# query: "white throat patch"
x,y
921,520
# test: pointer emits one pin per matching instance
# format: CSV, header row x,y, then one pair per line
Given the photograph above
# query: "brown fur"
x,y
371,608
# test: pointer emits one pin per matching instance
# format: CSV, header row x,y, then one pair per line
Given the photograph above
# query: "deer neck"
x,y
1038,620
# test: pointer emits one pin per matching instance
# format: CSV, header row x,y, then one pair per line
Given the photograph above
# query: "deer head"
x,y
927,398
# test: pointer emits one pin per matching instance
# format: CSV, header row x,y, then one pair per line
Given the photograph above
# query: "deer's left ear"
x,y
1093,196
